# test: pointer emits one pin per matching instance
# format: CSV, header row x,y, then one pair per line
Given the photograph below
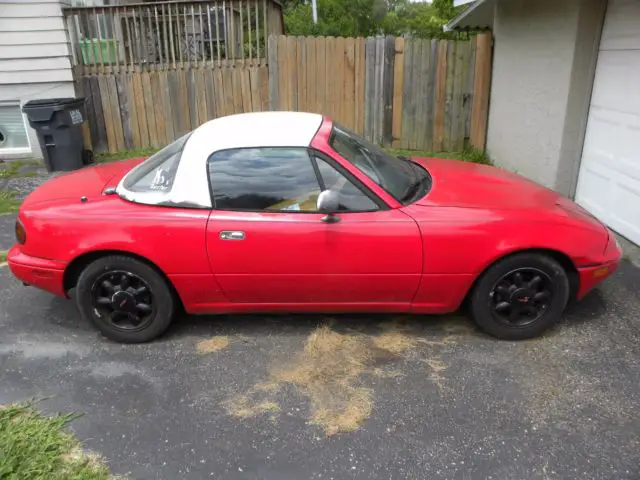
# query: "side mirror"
x,y
329,203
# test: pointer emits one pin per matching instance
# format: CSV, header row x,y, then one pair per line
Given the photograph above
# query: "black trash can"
x,y
58,123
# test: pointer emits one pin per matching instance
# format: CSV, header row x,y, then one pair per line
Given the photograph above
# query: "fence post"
x,y
481,91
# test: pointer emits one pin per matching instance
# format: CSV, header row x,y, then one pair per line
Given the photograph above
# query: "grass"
x,y
114,157
8,203
12,169
471,155
3,257
36,447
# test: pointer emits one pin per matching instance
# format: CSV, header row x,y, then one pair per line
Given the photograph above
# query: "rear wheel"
x,y
520,296
126,299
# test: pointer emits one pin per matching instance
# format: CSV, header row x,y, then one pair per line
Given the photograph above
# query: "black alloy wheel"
x,y
125,298
521,296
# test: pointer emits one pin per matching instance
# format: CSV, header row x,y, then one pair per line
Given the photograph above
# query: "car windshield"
x,y
399,177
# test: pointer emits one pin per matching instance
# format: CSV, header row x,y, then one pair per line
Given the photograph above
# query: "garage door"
x,y
609,179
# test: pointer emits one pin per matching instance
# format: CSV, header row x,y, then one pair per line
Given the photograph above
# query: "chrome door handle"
x,y
231,235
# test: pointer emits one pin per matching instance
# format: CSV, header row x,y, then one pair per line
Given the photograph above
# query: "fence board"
x,y
292,78
282,74
124,108
419,112
185,106
272,54
245,82
398,87
321,79
170,132
202,98
481,87
156,110
237,90
311,73
348,98
440,96
192,96
254,90
133,111
369,78
447,143
408,100
457,126
142,100
218,85
469,92
337,74
431,92
301,78
106,114
114,109
359,56
100,140
147,119
264,88
211,94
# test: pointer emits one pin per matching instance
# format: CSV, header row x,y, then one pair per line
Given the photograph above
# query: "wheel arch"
x,y
562,258
77,265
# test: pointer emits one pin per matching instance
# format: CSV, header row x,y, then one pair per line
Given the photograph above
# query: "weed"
x,y
39,448
8,202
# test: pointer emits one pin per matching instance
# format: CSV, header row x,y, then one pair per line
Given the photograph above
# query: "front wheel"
x,y
520,296
126,299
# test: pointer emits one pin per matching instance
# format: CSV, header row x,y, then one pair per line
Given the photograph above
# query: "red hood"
x,y
87,182
461,184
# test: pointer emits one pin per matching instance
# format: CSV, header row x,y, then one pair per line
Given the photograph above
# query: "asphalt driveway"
x,y
365,397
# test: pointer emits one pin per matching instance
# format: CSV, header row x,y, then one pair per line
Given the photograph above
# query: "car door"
x,y
268,245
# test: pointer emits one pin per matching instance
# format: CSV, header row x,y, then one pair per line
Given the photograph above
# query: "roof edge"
x,y
475,8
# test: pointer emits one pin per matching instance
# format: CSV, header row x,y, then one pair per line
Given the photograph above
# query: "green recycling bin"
x,y
92,48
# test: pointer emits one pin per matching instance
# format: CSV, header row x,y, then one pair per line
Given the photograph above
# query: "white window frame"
x,y
27,129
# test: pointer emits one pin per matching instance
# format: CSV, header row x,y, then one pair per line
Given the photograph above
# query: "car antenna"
x,y
110,191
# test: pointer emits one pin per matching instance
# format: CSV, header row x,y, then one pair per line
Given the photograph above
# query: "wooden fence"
x,y
409,93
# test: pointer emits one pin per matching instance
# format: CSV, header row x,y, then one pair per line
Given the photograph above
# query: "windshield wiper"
x,y
411,191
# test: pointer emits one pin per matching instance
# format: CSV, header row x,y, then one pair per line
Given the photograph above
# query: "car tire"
x,y
129,285
536,289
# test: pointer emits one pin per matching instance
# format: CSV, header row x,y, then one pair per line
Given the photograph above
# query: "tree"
x,y
352,18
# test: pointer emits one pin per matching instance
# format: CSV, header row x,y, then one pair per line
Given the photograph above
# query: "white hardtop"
x,y
190,184
260,129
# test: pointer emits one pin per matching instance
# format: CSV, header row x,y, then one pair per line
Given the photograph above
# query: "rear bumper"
x,y
39,272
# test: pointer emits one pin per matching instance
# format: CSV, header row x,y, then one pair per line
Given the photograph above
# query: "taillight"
x,y
21,233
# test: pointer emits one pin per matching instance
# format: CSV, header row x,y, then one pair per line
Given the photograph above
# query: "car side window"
x,y
263,179
352,199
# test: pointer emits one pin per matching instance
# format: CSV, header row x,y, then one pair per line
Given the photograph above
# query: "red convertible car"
x,y
290,212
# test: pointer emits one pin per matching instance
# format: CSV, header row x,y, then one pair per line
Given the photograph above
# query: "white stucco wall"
x,y
542,67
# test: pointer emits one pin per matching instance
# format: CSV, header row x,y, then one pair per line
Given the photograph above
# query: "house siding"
x,y
542,77
35,56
